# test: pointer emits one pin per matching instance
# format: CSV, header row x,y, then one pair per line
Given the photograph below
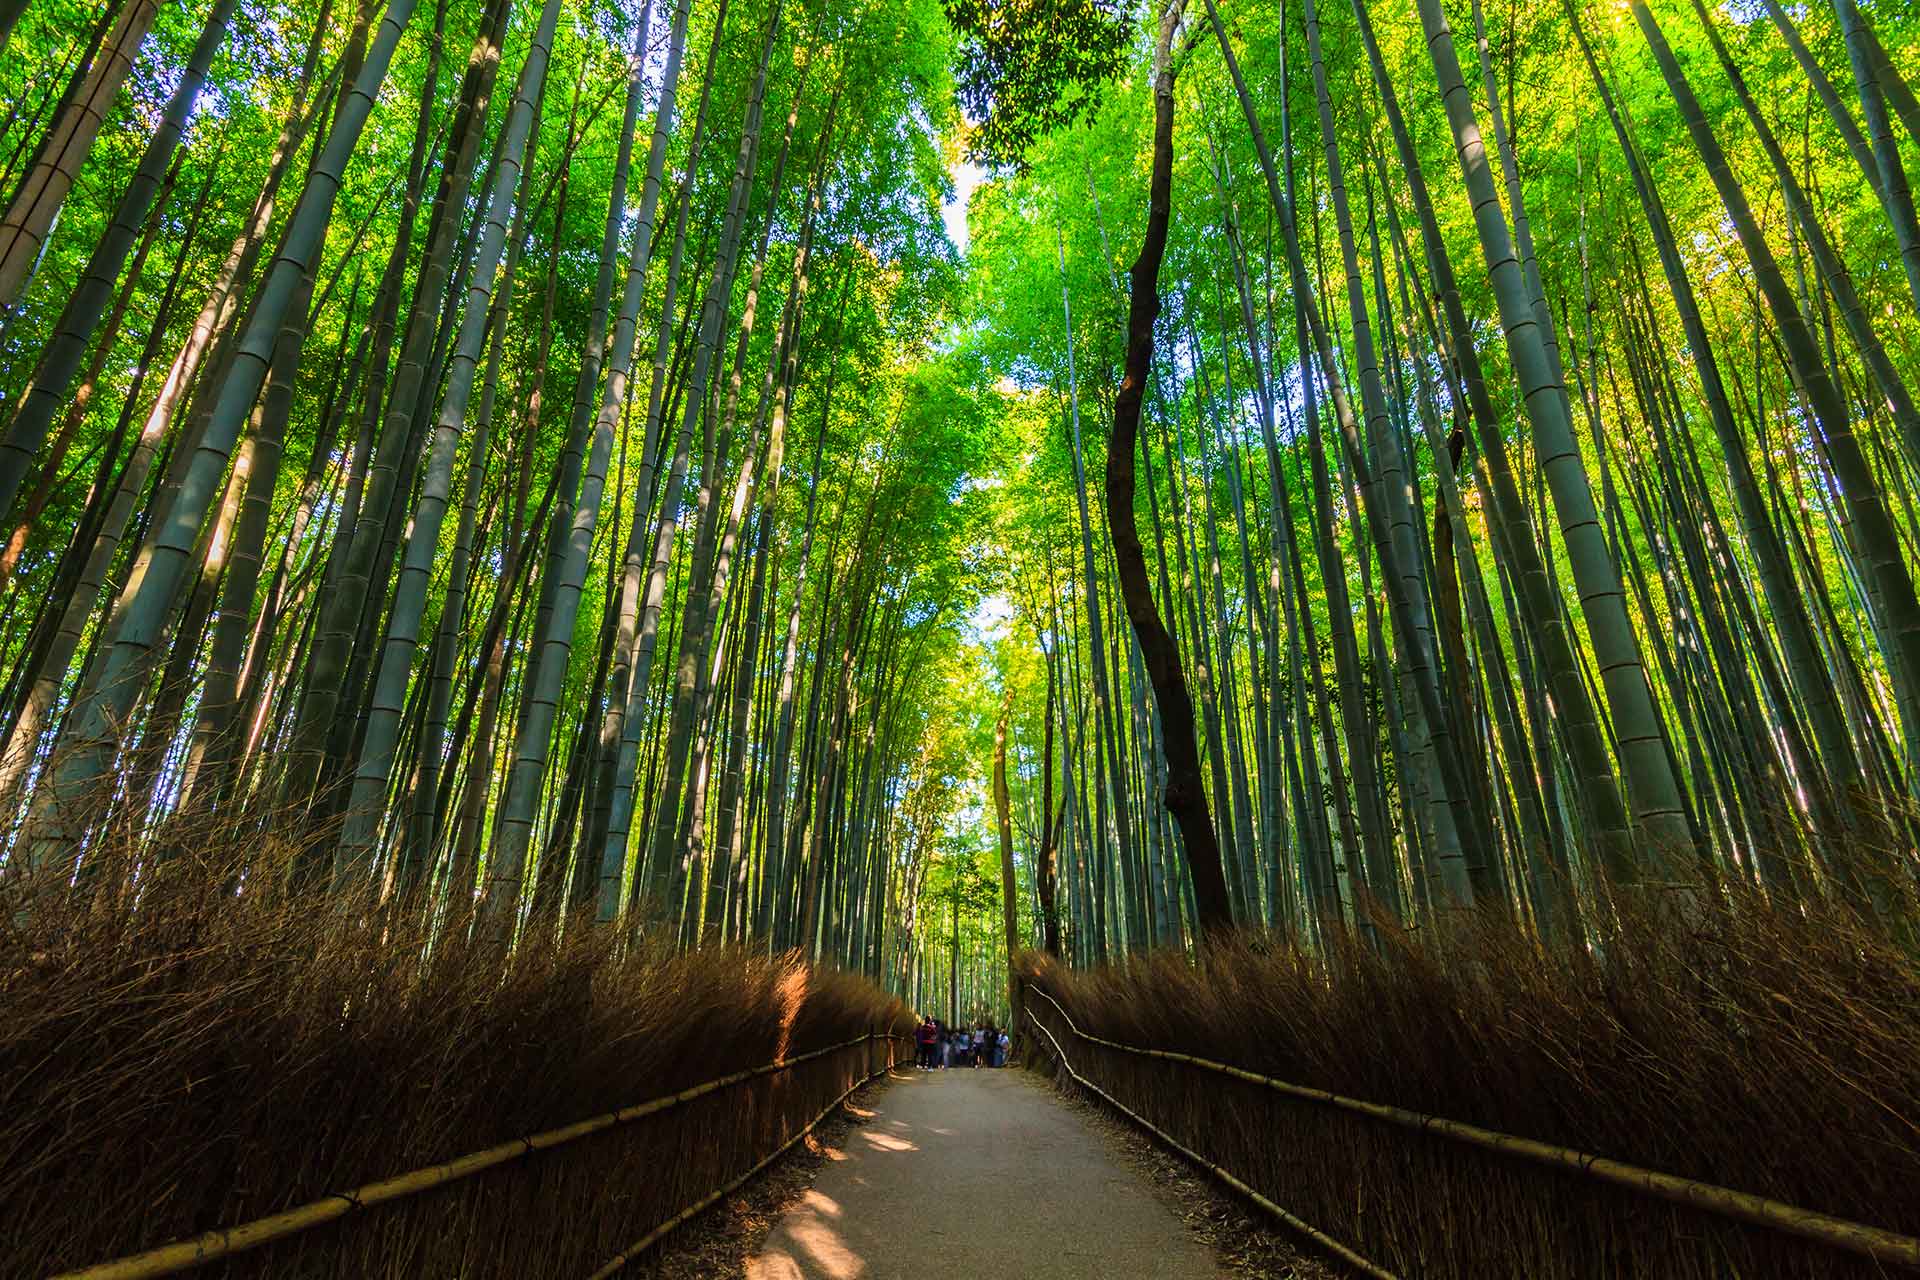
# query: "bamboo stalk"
x,y
1807,1224
181,1255
1319,1237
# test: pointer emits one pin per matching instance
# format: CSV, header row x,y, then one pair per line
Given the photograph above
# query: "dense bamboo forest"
x,y
962,493
658,465
1529,516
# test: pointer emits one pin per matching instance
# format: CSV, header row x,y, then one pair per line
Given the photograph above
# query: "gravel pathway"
x,y
978,1173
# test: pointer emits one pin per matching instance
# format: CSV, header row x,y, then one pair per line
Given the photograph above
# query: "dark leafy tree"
x,y
1029,67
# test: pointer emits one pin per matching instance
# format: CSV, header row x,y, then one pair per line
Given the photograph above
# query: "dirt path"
x,y
977,1173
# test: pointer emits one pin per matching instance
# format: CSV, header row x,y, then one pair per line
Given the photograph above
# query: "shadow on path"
x,y
977,1173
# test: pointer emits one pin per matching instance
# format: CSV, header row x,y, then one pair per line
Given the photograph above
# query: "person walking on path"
x,y
979,1045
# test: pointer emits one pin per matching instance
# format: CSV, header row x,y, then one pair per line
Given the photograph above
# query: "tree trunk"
x,y
64,801
1186,796
29,217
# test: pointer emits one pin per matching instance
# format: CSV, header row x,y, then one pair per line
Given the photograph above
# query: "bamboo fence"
x,y
183,1255
1321,1238
1879,1245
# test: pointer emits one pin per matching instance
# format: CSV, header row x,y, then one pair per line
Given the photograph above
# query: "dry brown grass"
x,y
1767,1050
208,1057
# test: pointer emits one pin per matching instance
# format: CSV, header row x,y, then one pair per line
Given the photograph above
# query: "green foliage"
x,y
929,435
1031,67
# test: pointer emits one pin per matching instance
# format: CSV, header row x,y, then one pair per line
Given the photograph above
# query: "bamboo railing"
x,y
1321,1238
183,1255
654,1236
1806,1224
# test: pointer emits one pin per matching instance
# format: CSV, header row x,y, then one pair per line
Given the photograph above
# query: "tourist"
x,y
1002,1049
924,1036
979,1045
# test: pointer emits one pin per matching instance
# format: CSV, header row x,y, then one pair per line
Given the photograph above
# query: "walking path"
x,y
982,1173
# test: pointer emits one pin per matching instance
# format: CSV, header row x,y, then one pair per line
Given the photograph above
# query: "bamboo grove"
x,y
1524,466
491,458
550,461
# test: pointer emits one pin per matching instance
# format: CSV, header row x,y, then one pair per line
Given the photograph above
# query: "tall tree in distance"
x,y
1003,827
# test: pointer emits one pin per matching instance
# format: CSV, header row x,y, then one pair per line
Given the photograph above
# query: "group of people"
x,y
982,1046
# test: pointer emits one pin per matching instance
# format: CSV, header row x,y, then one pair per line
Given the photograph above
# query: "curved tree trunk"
x,y
1186,796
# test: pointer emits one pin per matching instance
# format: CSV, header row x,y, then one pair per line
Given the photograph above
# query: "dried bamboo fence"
x,y
1391,1191
512,1210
